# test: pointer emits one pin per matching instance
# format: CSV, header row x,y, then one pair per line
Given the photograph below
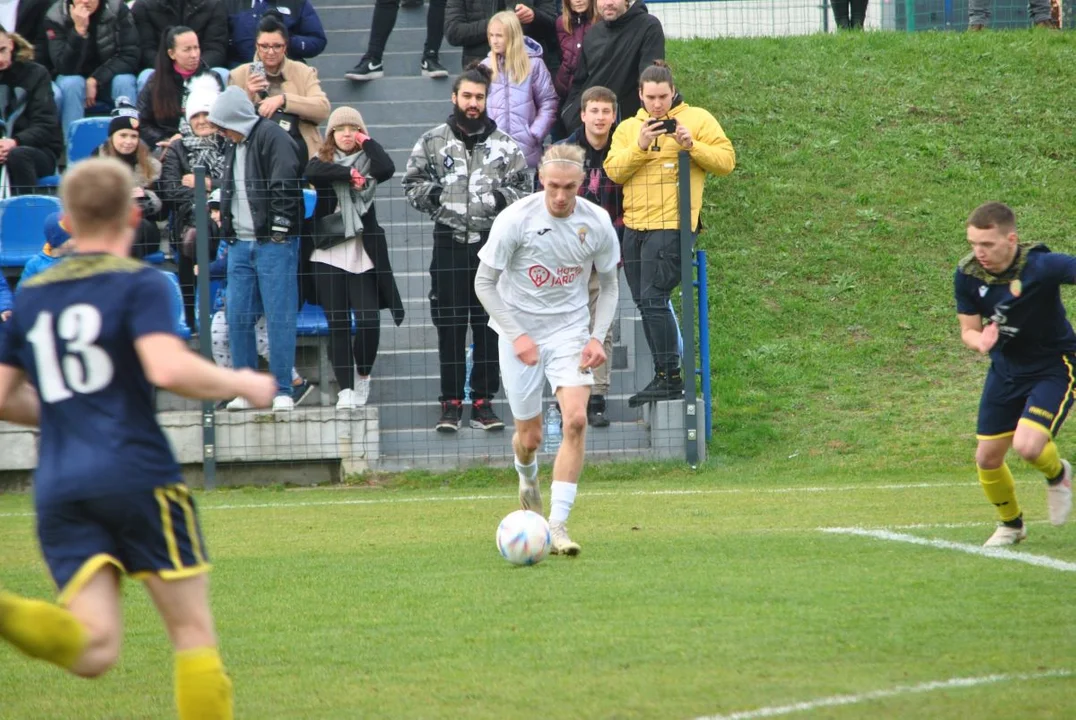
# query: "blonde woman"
x,y
352,273
521,99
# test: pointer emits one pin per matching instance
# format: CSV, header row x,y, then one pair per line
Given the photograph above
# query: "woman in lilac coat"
x,y
521,99
575,21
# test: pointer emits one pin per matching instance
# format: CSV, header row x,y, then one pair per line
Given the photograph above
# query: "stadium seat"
x,y
22,227
310,200
49,181
311,321
177,305
84,136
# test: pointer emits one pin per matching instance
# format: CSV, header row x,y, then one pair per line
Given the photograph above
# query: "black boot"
x,y
664,386
840,14
596,412
859,14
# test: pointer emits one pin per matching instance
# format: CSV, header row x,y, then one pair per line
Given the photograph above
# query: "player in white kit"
x,y
532,280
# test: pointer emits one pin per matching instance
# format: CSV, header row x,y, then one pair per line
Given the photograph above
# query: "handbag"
x,y
329,231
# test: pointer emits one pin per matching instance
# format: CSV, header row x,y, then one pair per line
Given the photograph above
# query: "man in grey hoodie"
x,y
261,208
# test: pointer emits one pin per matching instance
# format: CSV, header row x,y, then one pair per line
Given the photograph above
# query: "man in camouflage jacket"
x,y
463,173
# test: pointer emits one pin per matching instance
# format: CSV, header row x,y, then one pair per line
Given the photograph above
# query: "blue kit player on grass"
x,y
94,335
1008,301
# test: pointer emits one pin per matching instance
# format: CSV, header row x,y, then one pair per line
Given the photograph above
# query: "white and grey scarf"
x,y
354,202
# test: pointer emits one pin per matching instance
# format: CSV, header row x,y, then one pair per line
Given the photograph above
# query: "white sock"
x,y
527,473
563,497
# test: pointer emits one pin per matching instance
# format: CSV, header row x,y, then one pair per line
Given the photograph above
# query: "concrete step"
x,y
426,448
399,61
404,88
361,16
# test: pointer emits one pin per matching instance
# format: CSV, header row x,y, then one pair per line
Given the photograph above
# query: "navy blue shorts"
x,y
1043,399
154,531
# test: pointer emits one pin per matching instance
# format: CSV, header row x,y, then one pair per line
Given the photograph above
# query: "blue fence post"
x,y
703,284
205,305
687,284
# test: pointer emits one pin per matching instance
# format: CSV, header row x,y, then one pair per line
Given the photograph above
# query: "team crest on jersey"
x,y
582,233
539,275
1016,287
983,290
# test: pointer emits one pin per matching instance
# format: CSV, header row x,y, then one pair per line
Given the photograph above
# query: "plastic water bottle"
x,y
467,377
552,433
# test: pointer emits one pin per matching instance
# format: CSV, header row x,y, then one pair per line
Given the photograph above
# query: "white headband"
x,y
563,160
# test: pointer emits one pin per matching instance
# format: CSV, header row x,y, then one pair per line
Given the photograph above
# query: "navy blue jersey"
x,y
1025,302
73,333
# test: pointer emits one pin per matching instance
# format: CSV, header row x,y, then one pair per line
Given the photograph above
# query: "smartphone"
x,y
668,125
257,67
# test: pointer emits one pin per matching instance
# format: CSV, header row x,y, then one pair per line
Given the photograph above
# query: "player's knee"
x,y
530,438
100,656
989,458
575,422
1028,447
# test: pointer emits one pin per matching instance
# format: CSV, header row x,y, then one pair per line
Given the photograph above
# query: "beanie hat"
x,y
55,232
122,122
204,91
344,115
214,197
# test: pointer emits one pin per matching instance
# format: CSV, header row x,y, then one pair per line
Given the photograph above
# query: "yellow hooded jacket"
x,y
649,176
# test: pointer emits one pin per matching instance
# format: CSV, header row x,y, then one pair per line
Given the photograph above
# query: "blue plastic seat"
x,y
22,227
177,306
310,321
310,201
84,136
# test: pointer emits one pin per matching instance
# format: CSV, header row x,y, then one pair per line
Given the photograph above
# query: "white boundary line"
x,y
839,700
998,553
475,498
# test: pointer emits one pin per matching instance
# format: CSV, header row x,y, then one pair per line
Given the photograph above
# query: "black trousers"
x,y
384,21
25,165
652,269
339,293
454,306
849,13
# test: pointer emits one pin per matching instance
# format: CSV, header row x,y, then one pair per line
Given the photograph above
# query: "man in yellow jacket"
x,y
643,158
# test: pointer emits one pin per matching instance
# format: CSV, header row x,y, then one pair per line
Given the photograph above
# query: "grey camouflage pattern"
x,y
467,204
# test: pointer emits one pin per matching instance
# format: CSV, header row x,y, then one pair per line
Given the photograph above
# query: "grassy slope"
x,y
833,244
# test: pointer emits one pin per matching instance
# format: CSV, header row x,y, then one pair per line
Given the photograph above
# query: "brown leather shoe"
x,y
1046,24
977,27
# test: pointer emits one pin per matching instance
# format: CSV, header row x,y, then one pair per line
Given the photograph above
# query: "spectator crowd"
x,y
225,85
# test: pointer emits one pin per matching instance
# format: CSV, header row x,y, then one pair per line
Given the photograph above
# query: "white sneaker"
x,y
238,404
283,403
562,544
530,494
1059,497
346,400
1006,535
362,390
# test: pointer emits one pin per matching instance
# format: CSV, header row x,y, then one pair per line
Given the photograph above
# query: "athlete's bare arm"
x,y
169,364
18,401
975,336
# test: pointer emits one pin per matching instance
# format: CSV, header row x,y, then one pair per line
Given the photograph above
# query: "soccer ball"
x,y
523,538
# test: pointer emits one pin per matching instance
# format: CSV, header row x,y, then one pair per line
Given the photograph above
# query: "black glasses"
x,y
275,47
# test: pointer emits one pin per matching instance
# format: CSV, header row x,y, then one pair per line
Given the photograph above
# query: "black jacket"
x,y
28,109
273,167
155,129
614,55
207,18
113,36
466,21
306,35
322,175
175,163
30,22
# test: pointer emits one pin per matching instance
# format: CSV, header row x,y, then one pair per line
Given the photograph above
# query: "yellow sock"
x,y
203,690
42,630
1049,461
1000,490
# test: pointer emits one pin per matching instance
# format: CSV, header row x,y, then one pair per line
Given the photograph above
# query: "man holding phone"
x,y
643,158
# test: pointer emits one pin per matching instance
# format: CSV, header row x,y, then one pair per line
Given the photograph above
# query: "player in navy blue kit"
x,y
1008,301
94,335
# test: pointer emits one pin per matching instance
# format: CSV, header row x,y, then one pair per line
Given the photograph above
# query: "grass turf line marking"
x,y
998,553
926,687
202,506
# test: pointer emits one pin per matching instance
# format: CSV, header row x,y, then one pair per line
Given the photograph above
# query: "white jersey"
x,y
545,264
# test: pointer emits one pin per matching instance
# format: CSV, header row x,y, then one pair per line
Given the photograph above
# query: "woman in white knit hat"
x,y
351,260
199,144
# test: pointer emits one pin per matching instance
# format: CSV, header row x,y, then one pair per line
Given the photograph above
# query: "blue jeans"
x,y
69,91
263,275
145,75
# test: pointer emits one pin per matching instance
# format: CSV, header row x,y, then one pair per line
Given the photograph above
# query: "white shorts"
x,y
523,383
